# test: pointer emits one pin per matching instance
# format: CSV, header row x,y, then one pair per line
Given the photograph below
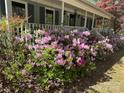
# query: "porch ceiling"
x,y
85,5
80,4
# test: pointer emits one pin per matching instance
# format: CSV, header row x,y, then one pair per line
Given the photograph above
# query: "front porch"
x,y
58,12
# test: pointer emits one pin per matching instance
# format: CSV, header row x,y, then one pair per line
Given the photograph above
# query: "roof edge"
x,y
92,5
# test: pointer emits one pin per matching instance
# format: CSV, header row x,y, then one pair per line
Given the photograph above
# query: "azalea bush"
x,y
49,59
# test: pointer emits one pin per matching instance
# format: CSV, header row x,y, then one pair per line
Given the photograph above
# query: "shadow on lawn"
x,y
83,84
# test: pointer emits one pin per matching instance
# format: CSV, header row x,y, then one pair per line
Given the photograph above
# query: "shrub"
x,y
52,59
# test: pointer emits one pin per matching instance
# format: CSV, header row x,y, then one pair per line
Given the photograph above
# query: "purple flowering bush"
x,y
48,59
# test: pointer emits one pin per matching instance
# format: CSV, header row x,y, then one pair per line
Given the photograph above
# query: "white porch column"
x,y
93,20
8,12
62,13
26,9
85,23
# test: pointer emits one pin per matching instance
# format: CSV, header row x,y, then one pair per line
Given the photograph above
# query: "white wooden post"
x,y
7,14
85,23
26,10
62,13
93,21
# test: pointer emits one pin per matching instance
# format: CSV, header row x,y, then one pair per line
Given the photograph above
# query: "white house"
x,y
56,12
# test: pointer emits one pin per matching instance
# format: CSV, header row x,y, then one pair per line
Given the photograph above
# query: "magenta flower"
x,y
80,61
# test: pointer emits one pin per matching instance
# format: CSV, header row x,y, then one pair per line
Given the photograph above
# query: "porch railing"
x,y
32,27
104,31
35,26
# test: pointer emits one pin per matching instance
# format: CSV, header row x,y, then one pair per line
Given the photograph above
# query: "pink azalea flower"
x,y
60,50
45,39
76,41
37,47
29,47
27,36
59,56
82,46
18,39
86,33
38,40
60,62
86,47
38,55
54,44
40,32
67,36
33,64
122,38
109,46
24,72
93,52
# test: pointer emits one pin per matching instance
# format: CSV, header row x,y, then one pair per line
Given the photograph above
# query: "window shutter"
x,y
56,17
31,13
42,15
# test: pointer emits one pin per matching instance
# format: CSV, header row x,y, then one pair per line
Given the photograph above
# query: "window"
x,y
66,18
49,16
78,20
89,23
82,21
18,9
72,20
31,13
